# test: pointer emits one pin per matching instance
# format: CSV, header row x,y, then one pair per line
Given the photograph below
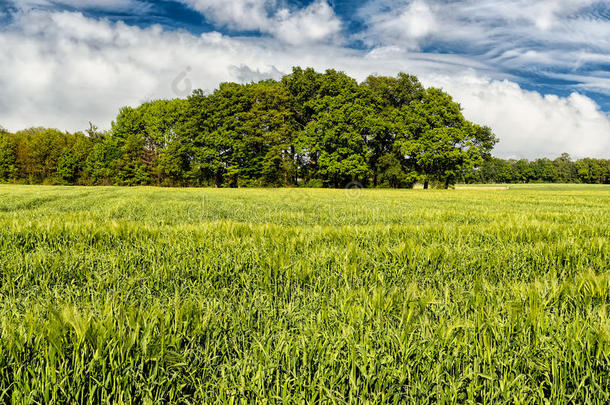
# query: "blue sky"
x,y
537,72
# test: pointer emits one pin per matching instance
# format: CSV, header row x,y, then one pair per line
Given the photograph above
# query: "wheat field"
x,y
158,295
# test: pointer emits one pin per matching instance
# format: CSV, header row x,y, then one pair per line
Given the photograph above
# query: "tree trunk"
x,y
426,185
375,177
218,179
446,183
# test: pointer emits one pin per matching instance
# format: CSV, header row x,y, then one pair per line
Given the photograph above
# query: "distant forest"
x,y
308,129
560,170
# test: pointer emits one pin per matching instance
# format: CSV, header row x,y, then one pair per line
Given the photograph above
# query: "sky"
x,y
536,71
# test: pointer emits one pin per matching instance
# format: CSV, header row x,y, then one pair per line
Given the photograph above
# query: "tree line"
x,y
307,129
560,170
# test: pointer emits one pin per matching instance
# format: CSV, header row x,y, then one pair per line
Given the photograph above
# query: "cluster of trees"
x,y
560,170
309,128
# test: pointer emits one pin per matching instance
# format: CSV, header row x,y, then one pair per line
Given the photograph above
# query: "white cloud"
x,y
406,25
528,124
247,15
501,24
565,41
544,14
315,23
62,69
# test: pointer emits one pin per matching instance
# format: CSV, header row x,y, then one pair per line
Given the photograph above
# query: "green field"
x,y
148,295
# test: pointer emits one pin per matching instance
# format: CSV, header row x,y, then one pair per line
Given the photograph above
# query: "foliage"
x,y
8,156
560,170
67,166
308,128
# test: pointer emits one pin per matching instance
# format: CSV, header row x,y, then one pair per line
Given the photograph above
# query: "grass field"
x,y
147,295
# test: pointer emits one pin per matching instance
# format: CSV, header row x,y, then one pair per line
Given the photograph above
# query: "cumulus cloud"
x,y
411,24
62,69
247,15
528,124
317,22
314,23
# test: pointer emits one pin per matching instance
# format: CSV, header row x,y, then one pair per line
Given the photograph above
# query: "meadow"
x,y
159,295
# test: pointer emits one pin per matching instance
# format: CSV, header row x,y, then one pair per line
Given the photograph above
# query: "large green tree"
x,y
392,121
8,156
221,148
334,122
38,153
268,130
134,167
593,170
440,142
101,163
566,170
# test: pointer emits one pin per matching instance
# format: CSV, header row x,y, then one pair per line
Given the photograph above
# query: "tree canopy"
x,y
307,129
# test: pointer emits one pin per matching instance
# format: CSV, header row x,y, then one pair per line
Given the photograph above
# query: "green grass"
x,y
147,295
